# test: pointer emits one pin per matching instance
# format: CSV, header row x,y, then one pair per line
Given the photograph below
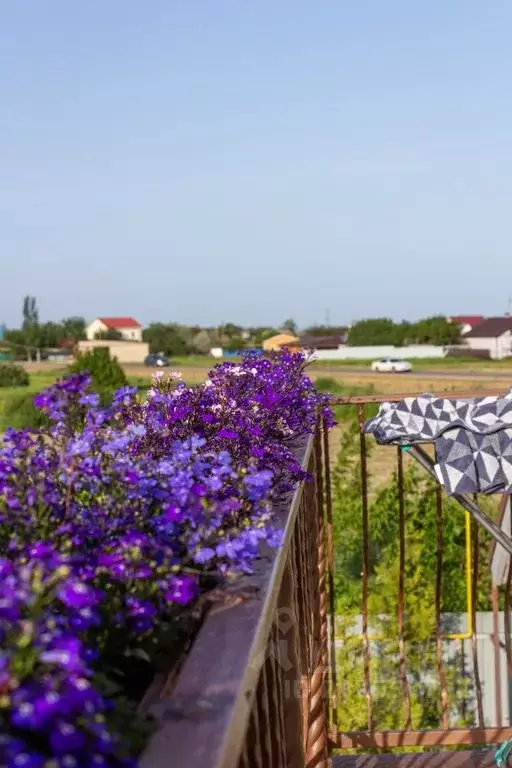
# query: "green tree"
x,y
30,325
106,373
290,325
373,332
235,344
383,331
73,328
436,330
167,338
231,330
260,334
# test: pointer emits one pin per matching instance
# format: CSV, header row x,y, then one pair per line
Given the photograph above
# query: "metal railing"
x,y
373,649
252,692
262,687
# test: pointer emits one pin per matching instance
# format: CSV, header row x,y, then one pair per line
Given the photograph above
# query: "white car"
x,y
391,365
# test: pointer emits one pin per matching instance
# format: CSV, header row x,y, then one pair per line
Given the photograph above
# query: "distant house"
x,y
319,342
493,336
129,328
275,343
466,323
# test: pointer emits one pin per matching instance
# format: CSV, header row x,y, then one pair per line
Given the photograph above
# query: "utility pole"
x,y
327,318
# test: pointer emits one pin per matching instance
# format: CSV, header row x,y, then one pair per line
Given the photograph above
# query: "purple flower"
x,y
76,594
183,589
109,519
65,652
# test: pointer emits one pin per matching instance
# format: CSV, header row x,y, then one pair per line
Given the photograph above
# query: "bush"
x,y
105,372
12,375
20,412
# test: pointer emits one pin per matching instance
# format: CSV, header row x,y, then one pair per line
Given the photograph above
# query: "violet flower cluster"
x,y
114,522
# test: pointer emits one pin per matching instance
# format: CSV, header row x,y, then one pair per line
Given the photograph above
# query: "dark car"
x,y
156,360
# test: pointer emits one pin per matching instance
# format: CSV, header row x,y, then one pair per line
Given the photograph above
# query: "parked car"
x,y
156,360
391,365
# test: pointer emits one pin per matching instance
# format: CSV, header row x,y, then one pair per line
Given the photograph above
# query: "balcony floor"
x,y
476,758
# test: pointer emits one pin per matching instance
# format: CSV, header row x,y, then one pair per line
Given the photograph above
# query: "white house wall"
x,y
498,348
130,334
374,353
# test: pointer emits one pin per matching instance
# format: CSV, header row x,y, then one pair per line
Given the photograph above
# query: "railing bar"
x,y
300,578
268,716
330,576
277,698
506,610
319,555
481,518
397,396
306,539
317,746
439,592
401,583
497,654
474,647
255,735
364,597
434,738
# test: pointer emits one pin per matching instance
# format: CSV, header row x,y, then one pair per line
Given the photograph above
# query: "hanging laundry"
x,y
472,438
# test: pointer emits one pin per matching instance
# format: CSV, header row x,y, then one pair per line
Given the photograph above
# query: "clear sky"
x,y
250,160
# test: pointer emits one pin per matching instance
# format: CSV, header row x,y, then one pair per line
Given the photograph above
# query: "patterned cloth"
x,y
473,438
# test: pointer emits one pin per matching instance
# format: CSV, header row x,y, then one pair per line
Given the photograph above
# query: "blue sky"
x,y
226,160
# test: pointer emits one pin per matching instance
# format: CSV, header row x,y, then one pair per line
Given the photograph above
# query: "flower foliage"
x,y
114,521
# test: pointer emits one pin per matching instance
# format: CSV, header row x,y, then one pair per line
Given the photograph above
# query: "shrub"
x,y
20,412
12,375
105,372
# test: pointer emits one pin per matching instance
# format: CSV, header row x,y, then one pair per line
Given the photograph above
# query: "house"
x,y
466,323
312,341
492,336
275,343
129,328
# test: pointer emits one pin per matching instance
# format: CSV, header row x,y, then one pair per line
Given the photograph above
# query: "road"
x,y
454,374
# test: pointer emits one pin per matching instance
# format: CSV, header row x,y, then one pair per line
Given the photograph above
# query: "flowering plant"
x,y
113,522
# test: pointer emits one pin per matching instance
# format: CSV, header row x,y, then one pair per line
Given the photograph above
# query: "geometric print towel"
x,y
472,438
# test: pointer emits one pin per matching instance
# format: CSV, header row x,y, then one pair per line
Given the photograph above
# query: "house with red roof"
x,y
128,328
466,323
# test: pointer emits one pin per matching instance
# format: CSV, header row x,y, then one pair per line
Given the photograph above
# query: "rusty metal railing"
x,y
445,733
253,691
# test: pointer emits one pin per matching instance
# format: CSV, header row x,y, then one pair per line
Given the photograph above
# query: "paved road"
x,y
429,373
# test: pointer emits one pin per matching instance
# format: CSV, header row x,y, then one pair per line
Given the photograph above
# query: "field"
x,y
457,375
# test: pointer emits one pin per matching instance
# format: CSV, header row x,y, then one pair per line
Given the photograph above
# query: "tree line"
x,y
172,339
383,331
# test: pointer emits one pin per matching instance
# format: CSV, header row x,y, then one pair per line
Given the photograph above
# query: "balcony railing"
x,y
266,684
253,690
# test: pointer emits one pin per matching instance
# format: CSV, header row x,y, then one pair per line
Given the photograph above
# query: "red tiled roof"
x,y
119,322
471,320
